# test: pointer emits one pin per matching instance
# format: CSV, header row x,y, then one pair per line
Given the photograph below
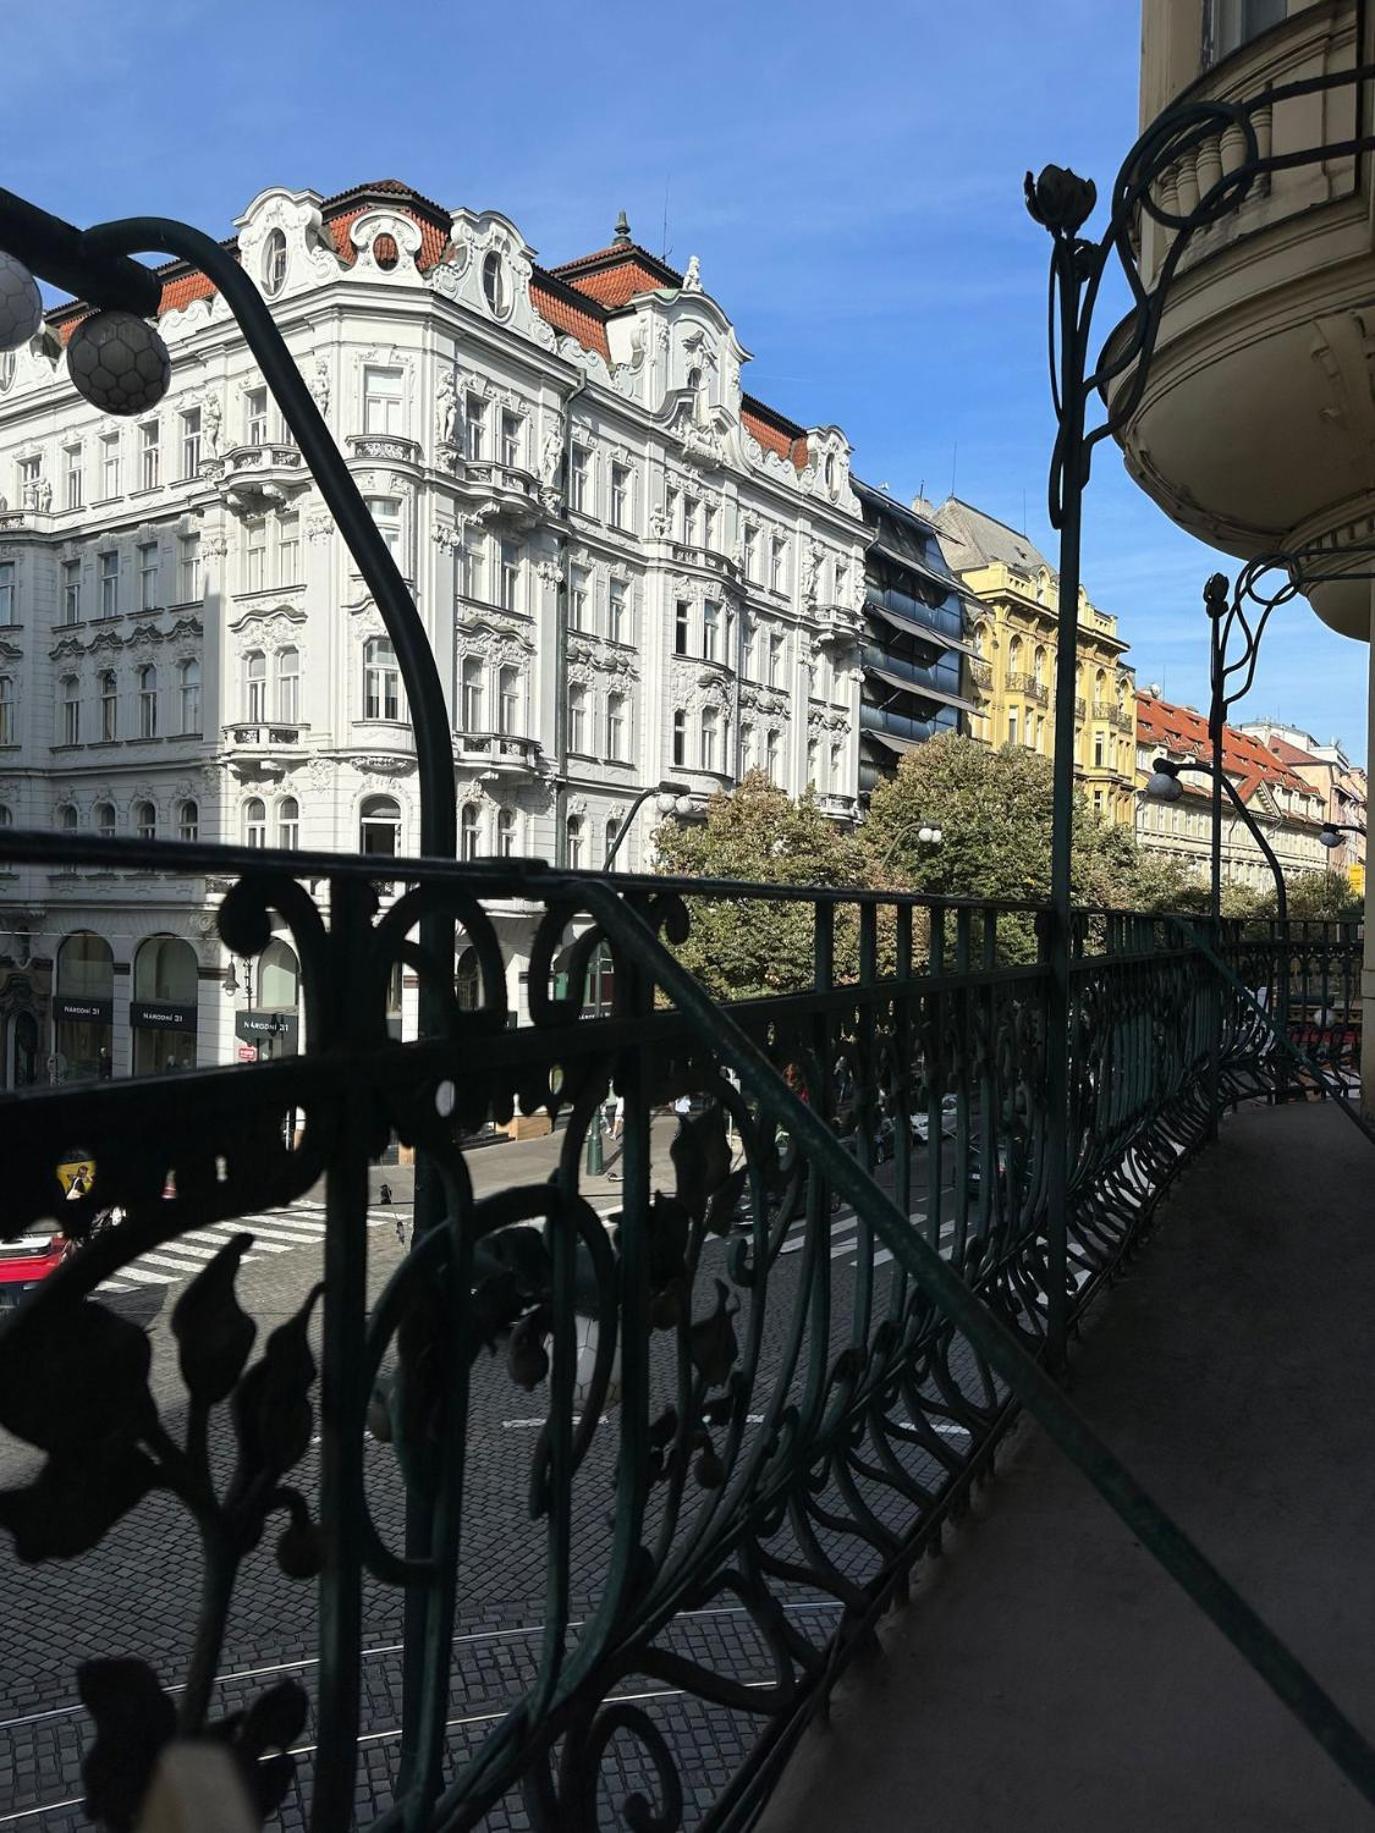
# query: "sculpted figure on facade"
x,y
692,279
447,424
551,455
319,387
212,415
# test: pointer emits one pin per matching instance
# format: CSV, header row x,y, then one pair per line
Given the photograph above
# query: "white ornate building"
x,y
628,568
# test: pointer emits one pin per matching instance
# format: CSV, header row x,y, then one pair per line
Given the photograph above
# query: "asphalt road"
x,y
137,1593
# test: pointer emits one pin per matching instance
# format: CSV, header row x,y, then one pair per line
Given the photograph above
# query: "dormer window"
x,y
494,285
274,263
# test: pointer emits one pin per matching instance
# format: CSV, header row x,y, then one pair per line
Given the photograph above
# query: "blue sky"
x,y
849,175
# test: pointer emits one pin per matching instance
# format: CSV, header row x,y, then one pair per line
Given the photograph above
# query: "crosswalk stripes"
x,y
274,1231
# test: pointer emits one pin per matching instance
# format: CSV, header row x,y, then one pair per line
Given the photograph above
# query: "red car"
x,y
23,1262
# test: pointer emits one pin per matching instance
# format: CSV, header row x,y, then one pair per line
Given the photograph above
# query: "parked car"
x,y
921,1123
25,1262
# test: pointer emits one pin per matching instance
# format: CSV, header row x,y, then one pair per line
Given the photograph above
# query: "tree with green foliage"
x,y
743,947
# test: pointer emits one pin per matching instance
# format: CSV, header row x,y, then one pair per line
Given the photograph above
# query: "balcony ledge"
x,y
1047,1657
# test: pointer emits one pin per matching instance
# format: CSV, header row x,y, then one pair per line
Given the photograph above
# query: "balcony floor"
x,y
1047,1674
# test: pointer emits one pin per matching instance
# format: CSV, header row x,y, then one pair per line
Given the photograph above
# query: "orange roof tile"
x,y
1246,760
774,431
567,310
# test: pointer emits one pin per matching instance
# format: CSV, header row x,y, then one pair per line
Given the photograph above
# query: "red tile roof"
x,y
1291,754
616,274
774,431
1180,731
567,310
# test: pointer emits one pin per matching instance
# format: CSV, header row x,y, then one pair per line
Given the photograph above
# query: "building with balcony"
x,y
1288,810
629,568
916,652
1342,785
1255,429
1015,646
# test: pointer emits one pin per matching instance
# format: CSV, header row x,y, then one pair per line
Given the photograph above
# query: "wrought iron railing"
x,y
756,1392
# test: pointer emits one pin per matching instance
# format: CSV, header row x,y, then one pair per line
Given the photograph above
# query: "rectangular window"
x,y
750,553
672,510
1098,750
620,496
577,720
680,628
711,631
475,423
842,583
778,564
475,565
255,417
71,591
288,550
510,575
709,521
581,472
75,477
109,707
7,592
189,587
615,728
71,714
508,700
749,659
148,703
255,555
617,613
776,659
30,477
1012,727
692,520
579,600
680,737
150,455
386,512
710,734
191,442
148,576
383,401
110,479
512,439
109,584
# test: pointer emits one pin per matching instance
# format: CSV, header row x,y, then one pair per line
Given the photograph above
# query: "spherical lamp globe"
x,y
119,363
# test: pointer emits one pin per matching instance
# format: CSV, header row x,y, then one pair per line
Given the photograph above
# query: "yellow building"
x,y
1015,648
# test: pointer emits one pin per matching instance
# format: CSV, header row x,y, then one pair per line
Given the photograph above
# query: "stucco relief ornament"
x,y
811,571
551,456
212,418
447,417
550,572
658,522
692,279
319,387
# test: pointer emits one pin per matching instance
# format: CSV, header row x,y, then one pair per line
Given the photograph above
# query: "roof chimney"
x,y
621,239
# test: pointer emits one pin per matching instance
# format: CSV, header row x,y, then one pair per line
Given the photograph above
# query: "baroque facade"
x,y
1341,784
1015,646
629,570
1288,810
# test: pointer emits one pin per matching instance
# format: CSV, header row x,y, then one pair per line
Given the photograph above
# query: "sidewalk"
x,y
1048,1677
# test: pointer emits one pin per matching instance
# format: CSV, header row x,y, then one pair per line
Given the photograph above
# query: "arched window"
x,y
189,821
473,695
508,700
679,736
274,263
145,820
747,756
289,685
1039,665
288,824
6,815
468,832
105,820
255,685
771,754
85,966
616,735
279,977
381,680
6,709
83,1007
379,827
506,833
71,711
189,694
67,818
494,285
613,834
165,969
255,822
1014,656
573,833
148,701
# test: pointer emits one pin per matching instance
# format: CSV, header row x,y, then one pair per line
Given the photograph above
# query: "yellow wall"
x,y
1015,679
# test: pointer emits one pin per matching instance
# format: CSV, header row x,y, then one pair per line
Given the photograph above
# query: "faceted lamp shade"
x,y
119,363
1164,786
21,308
1329,837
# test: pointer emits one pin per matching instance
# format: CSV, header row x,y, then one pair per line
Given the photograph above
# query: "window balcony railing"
x,y
504,751
266,734
982,673
865,1141
384,448
254,477
1018,682
504,492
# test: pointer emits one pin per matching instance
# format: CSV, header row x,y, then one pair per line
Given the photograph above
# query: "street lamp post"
x,y
669,799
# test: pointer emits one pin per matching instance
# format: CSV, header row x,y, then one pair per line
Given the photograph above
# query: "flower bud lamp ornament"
x,y
21,306
119,363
